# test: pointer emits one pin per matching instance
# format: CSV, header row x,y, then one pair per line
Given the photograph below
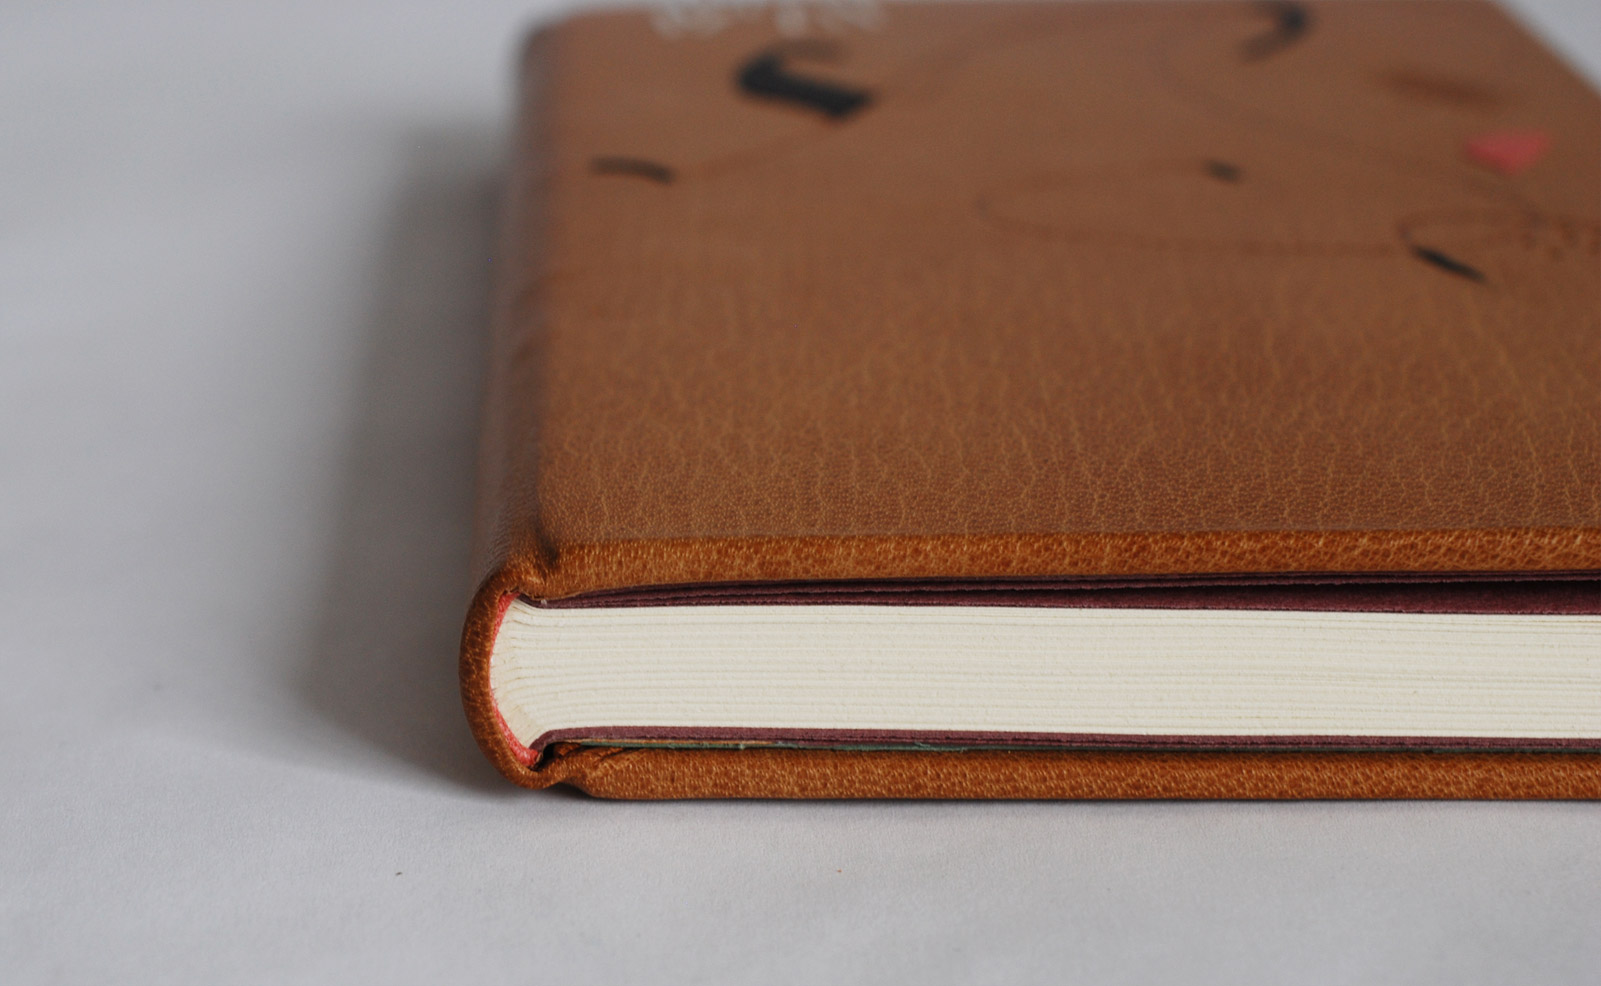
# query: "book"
x,y
1045,400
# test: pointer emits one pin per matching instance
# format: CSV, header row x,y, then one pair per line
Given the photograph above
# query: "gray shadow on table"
x,y
383,662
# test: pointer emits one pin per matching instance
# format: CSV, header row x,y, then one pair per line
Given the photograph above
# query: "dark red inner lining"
x,y
1403,592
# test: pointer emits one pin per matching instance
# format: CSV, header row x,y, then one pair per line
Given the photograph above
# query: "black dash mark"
x,y
637,167
1448,263
1223,171
764,76
1291,22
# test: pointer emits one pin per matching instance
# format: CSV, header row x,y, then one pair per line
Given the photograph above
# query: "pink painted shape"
x,y
1509,151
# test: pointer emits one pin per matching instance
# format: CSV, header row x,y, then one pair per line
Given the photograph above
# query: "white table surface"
x,y
242,282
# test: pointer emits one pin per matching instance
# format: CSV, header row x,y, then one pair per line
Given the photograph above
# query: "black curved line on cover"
x,y
765,77
1446,262
1291,22
1222,170
634,166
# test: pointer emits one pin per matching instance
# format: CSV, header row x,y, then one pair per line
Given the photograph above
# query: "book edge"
x,y
655,774
676,773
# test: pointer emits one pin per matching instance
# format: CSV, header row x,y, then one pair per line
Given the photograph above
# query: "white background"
x,y
242,282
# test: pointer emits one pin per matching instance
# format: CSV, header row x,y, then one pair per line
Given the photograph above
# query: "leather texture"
x,y
656,774
1083,291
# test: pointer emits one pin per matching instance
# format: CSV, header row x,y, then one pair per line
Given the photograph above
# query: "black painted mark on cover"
x,y
633,166
1223,171
1448,263
765,76
1291,22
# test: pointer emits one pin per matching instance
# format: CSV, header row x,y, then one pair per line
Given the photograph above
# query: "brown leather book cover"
x,y
1243,305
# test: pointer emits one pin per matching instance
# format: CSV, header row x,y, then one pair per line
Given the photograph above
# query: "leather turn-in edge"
x,y
520,764
1101,775
584,568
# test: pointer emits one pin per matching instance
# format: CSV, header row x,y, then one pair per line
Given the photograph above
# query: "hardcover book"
x,y
1045,400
